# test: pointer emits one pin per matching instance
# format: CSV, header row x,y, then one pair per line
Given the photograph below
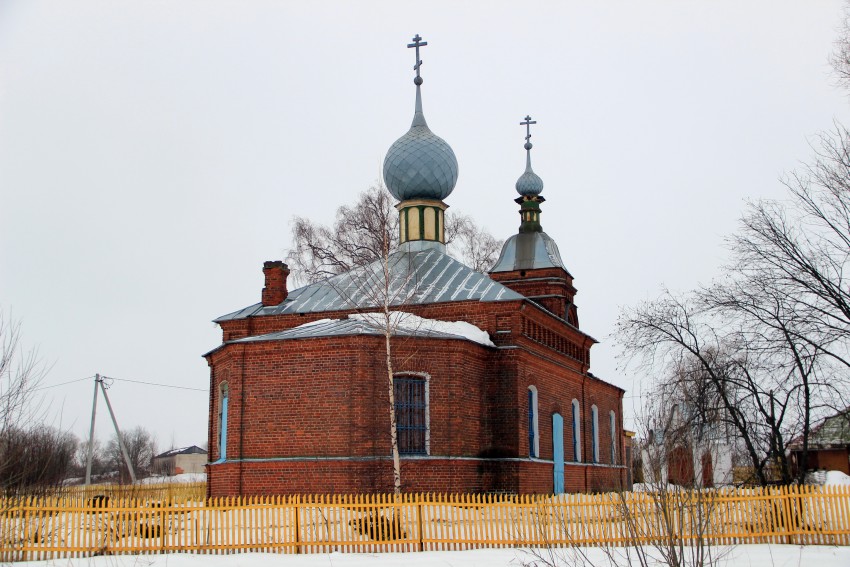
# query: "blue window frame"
x,y
533,429
411,406
594,424
613,419
224,396
576,431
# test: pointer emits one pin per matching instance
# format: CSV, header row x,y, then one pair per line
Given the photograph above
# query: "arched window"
x,y
613,419
223,398
594,428
576,431
410,393
533,430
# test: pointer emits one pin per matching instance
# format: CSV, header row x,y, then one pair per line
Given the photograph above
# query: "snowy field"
x,y
182,478
739,556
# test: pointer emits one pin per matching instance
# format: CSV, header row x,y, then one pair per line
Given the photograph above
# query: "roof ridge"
x,y
415,282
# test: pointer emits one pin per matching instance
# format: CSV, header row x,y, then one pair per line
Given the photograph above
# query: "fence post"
x,y
419,521
784,497
27,530
297,525
161,528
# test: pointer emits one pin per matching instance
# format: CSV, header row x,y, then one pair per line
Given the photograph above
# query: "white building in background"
x,y
177,461
685,453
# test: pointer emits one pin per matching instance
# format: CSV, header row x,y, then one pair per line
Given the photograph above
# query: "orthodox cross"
x,y
528,122
417,43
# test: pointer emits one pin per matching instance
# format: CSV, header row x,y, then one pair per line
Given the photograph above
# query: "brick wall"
x,y
418,475
326,399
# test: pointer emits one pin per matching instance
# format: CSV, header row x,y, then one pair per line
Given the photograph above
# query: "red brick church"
x,y
491,383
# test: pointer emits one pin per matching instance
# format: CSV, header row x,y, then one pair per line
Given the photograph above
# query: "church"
x,y
486,376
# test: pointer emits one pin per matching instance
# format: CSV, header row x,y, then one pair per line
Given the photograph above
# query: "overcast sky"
x,y
153,154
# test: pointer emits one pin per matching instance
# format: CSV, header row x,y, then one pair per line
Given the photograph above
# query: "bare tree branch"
x,y
361,230
771,338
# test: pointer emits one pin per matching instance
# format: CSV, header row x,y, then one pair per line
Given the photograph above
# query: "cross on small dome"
x,y
528,122
529,183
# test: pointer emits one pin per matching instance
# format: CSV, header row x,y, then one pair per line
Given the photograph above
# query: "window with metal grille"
x,y
533,429
411,407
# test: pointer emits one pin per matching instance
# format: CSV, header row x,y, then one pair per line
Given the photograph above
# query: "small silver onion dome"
x,y
529,183
420,164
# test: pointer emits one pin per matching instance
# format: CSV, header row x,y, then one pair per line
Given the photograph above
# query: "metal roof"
x,y
419,274
191,450
343,327
832,432
529,251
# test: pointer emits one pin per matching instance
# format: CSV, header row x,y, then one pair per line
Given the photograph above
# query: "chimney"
x,y
275,291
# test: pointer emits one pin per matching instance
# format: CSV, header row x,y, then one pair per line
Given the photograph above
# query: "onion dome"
x,y
420,164
529,183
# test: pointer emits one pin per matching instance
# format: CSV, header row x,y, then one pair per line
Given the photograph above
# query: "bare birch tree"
x,y
378,291
360,244
473,245
362,233
361,230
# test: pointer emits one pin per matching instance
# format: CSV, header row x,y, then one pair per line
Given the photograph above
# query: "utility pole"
x,y
118,433
91,431
98,381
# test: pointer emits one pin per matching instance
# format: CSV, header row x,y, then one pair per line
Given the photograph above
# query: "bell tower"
x,y
530,262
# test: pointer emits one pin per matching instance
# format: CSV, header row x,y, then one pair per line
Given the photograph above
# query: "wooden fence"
x,y
69,527
184,491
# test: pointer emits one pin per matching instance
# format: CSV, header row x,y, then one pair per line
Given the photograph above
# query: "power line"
x,y
160,385
62,383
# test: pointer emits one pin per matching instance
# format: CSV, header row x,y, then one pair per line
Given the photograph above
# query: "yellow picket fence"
x,y
69,527
166,491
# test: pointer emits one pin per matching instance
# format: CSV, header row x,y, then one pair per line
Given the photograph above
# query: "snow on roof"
x,y
401,324
414,324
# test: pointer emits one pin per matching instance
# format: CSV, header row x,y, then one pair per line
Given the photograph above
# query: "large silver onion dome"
x,y
420,164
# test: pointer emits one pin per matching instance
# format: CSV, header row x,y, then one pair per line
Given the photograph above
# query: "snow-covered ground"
x,y
828,478
739,556
176,479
